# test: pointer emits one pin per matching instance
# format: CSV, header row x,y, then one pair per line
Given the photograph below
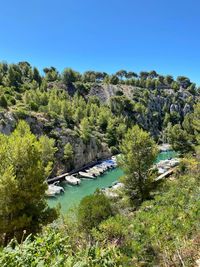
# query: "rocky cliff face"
x,y
105,91
156,105
7,122
149,109
84,153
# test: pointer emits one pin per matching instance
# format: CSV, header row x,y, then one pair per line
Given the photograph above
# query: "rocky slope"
x,y
84,153
151,109
156,103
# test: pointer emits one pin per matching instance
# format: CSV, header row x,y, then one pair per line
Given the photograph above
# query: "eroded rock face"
x,y
84,153
105,91
154,106
174,108
7,122
187,109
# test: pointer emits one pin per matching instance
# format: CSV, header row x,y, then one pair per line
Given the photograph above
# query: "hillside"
x,y
90,112
60,121
162,232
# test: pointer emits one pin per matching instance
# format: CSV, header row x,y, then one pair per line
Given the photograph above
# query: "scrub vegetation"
x,y
46,121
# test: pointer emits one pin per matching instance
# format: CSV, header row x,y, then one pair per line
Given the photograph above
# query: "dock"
x,y
165,175
75,171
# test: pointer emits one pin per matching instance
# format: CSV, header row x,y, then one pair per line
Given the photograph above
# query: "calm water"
x,y
166,155
74,194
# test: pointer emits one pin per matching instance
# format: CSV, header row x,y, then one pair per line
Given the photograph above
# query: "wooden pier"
x,y
75,171
165,175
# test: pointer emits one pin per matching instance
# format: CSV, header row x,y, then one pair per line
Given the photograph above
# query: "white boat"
x,y
72,180
98,170
102,166
55,188
93,171
107,165
167,164
87,175
50,193
90,171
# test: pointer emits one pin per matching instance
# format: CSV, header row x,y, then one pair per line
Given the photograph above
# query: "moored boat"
x,y
72,180
55,188
94,171
87,175
50,193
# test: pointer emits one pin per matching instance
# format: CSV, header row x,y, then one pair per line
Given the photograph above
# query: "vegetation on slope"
x,y
69,107
148,224
163,232
24,164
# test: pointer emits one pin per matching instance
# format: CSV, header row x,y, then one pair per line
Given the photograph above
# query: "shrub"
x,y
3,102
93,210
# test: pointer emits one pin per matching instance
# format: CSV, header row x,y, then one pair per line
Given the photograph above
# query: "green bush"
x,y
21,113
3,102
93,210
114,150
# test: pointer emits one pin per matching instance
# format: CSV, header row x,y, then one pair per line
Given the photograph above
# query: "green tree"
x,y
89,76
51,74
161,79
3,101
183,81
100,76
113,79
180,139
131,74
36,76
121,74
22,184
196,122
93,210
68,151
14,76
138,154
188,123
47,149
69,76
153,74
144,75
192,88
85,130
168,80
115,229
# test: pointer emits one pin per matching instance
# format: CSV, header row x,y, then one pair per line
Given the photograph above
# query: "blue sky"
x,y
104,35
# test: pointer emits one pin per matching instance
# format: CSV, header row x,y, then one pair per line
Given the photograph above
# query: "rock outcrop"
x,y
84,153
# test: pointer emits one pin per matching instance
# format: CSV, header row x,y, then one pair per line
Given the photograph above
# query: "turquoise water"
x,y
74,194
166,155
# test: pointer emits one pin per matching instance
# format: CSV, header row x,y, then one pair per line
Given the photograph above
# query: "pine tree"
x,y
22,184
138,154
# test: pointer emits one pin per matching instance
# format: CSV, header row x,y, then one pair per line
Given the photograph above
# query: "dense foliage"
x,y
25,163
93,210
163,232
138,155
94,109
74,118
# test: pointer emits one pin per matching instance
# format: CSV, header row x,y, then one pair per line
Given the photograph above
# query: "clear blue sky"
x,y
105,35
